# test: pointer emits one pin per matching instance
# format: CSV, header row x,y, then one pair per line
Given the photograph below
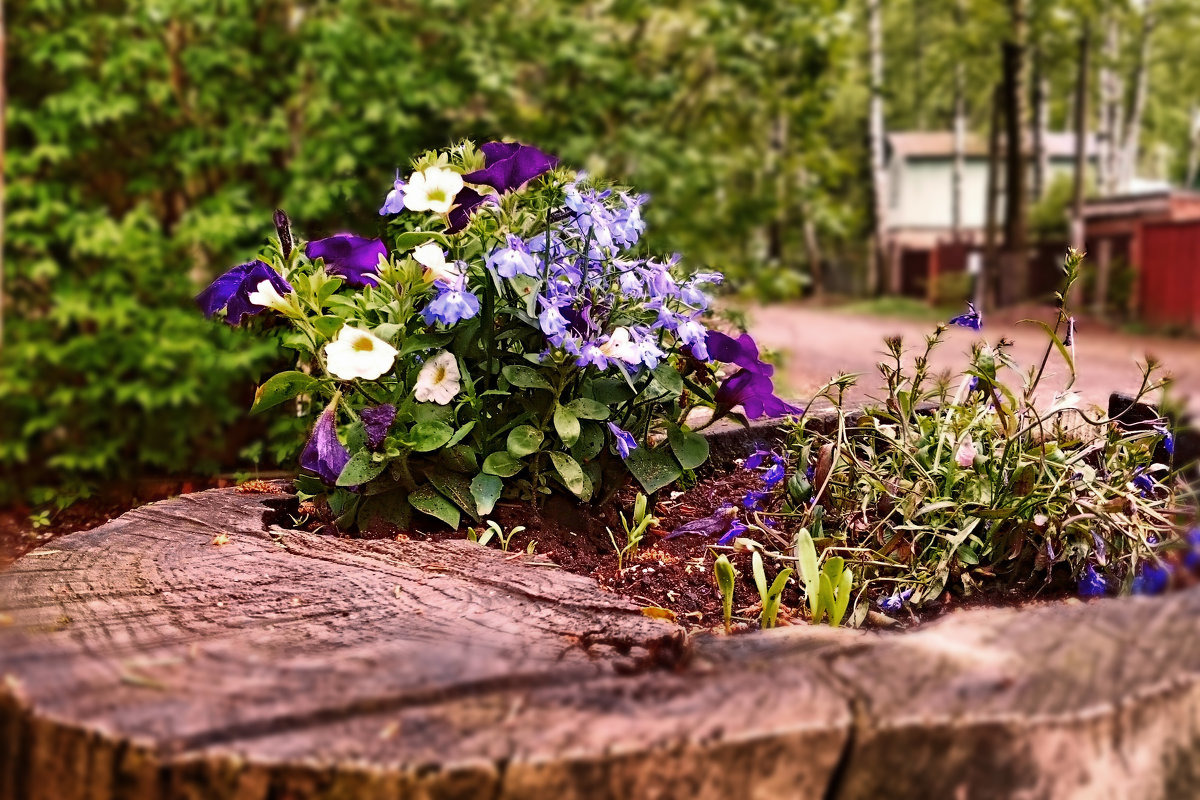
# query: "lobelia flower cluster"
x,y
507,335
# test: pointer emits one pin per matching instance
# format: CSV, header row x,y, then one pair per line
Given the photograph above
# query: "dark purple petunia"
x,y
972,319
465,202
1151,579
742,351
755,394
508,165
376,421
324,454
354,258
232,291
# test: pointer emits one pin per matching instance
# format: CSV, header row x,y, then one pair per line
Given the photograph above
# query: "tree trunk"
x,y
960,129
1079,192
812,248
1110,105
1015,278
991,267
879,178
1133,120
777,174
1193,148
1041,110
920,22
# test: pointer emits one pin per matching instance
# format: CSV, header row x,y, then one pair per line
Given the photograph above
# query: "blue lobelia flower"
x,y
756,459
1143,483
624,440
513,260
394,202
753,500
693,333
591,354
232,291
736,528
324,454
453,304
551,321
510,165
755,394
628,225
1191,558
1151,579
376,421
895,601
353,258
1092,583
1168,440
972,319
775,474
742,351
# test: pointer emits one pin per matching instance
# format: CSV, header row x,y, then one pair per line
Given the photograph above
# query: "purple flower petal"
x,y
625,441
972,319
510,165
1092,583
376,420
324,454
742,351
354,258
755,394
466,201
218,293
232,291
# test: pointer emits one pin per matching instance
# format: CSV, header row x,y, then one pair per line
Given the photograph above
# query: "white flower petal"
x,y
439,380
356,353
267,296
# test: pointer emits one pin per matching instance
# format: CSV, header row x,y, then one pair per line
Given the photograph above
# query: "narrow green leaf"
x,y
413,239
841,600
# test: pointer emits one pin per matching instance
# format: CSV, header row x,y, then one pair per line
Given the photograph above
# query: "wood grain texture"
x,y
144,661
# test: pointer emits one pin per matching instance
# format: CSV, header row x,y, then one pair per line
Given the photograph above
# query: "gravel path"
x,y
816,343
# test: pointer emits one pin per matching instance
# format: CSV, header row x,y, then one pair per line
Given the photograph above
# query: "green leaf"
x,y
427,500
457,488
668,379
825,598
413,239
610,391
328,326
460,434
486,490
841,600
526,377
806,557
431,435
653,469
760,575
567,425
360,469
1058,345
590,443
585,408
387,331
281,388
390,508
569,470
502,464
424,341
689,447
524,439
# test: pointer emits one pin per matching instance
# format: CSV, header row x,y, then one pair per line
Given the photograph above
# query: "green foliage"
x,y
726,577
635,530
495,531
769,595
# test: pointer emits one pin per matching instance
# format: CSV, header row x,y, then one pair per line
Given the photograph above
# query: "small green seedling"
x,y
635,531
827,588
726,578
770,596
493,530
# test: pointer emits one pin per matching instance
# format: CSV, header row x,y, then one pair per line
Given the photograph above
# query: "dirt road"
x,y
817,343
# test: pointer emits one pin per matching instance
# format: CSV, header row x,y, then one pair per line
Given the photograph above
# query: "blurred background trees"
x,y
149,140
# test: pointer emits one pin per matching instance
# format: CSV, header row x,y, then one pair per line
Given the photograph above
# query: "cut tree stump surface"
x,y
141,660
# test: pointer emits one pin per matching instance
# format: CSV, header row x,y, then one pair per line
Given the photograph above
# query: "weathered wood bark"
x,y
140,660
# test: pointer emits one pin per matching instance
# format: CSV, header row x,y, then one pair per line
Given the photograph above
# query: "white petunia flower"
x,y
433,190
431,257
438,381
358,354
268,297
621,347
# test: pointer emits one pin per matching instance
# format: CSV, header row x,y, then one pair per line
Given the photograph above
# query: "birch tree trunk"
x,y
1193,148
1015,279
812,248
876,132
960,129
1110,109
1141,80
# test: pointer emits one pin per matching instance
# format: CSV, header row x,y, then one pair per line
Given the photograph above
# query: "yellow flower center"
x,y
363,344
440,375
437,195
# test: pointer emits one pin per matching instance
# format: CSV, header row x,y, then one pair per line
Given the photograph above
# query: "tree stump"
x,y
141,660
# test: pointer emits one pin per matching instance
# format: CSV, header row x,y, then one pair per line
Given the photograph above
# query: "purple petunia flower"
x,y
232,291
324,454
972,319
755,394
509,165
1092,583
775,474
624,440
1151,579
742,351
465,203
376,420
753,500
453,304
354,258
896,601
